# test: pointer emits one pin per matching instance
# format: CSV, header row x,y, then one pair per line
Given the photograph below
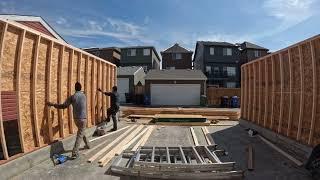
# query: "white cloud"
x,y
225,37
122,26
61,21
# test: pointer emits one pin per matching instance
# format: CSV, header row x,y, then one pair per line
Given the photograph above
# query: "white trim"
x,y
32,18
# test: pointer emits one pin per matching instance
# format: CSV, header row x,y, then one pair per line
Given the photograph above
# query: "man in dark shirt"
x,y
112,111
79,103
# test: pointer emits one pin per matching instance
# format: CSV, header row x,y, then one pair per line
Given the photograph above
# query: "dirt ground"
x,y
268,163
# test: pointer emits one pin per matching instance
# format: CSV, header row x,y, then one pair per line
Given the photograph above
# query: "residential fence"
x,y
281,91
36,69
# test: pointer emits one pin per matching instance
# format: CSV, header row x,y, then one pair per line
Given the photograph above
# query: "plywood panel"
x,y
64,89
25,92
316,133
308,92
41,90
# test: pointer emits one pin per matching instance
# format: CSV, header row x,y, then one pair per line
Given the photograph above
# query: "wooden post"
x,y
93,93
281,93
272,92
250,158
290,93
48,92
266,93
70,74
18,78
314,92
86,86
79,67
60,119
99,94
103,89
302,93
259,93
2,135
34,83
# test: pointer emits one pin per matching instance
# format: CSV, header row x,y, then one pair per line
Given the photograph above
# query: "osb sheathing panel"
x,y
64,89
8,80
316,135
277,95
282,90
286,92
41,90
308,89
296,91
54,90
25,92
8,60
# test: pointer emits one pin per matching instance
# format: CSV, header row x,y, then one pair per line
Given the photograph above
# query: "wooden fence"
x,y
35,69
281,91
214,94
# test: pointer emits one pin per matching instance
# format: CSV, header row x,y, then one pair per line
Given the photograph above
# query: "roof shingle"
x,y
176,48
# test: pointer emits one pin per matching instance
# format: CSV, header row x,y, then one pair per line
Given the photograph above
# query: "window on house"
x,y
131,52
211,51
208,69
256,53
231,71
231,84
216,70
227,51
176,56
146,52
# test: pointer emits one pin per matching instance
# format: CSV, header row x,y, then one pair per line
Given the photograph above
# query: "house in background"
x,y
127,79
111,54
250,51
145,56
34,22
175,87
219,61
176,57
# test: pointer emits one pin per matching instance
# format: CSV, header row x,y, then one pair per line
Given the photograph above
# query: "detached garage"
x,y
175,87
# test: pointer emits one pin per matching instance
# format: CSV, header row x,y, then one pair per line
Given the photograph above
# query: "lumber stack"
x,y
231,114
280,91
36,68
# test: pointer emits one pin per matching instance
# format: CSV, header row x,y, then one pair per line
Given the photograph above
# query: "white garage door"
x,y
123,87
175,94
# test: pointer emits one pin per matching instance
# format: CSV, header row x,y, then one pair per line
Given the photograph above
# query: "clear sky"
x,y
273,24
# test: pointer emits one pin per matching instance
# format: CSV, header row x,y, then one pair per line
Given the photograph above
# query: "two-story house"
x,y
111,54
145,56
250,51
219,61
176,57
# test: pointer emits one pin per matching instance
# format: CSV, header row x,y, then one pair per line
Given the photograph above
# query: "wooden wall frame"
x,y
281,93
290,93
302,93
314,93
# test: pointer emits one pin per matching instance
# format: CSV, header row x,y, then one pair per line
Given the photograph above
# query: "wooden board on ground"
x,y
195,139
207,123
144,139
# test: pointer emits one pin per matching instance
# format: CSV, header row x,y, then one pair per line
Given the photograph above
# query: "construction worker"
x,y
79,106
112,111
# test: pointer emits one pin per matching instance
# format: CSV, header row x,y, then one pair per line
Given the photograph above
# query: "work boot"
x,y
113,129
87,146
75,156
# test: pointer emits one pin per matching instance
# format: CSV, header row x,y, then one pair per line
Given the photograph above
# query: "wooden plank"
x,y
195,139
259,92
143,140
109,134
290,93
93,93
99,153
2,135
206,133
70,74
86,87
133,140
168,155
273,92
104,90
60,67
34,84
249,94
196,155
105,159
99,95
314,92
301,95
152,154
254,103
18,94
183,157
250,158
48,92
266,94
79,67
281,92
297,162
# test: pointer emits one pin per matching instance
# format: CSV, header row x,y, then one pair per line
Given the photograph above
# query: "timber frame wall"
x,y
281,91
38,69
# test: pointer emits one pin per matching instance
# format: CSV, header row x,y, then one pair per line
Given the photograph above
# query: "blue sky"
x,y
273,24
